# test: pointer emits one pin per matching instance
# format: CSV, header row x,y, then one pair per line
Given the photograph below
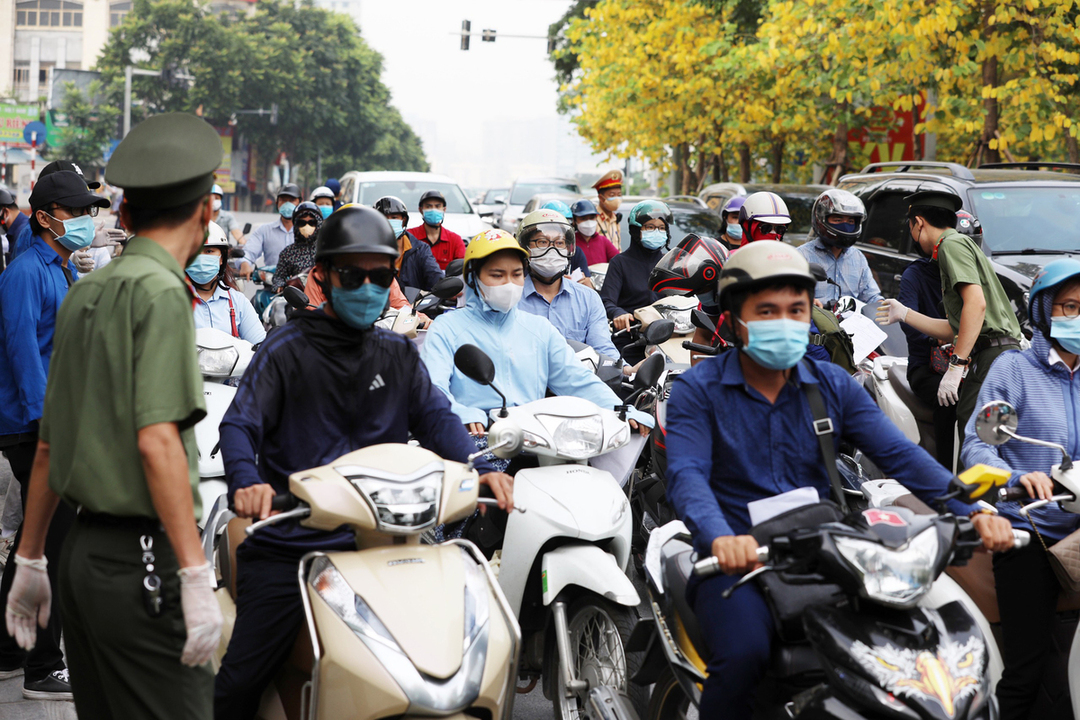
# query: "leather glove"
x,y
29,601
948,391
891,311
83,262
202,614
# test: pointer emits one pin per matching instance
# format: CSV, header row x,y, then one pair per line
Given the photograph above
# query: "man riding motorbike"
x,y
836,222
763,391
326,384
218,304
416,265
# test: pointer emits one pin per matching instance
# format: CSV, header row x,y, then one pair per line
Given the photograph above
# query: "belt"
x,y
985,343
133,522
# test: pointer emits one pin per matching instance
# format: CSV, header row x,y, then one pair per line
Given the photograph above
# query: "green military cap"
x,y
936,198
166,161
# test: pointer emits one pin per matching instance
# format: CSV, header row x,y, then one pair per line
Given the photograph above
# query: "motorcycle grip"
x,y
1017,492
1021,538
711,566
283,502
699,348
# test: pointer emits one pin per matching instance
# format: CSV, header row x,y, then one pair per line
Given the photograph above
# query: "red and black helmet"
x,y
690,268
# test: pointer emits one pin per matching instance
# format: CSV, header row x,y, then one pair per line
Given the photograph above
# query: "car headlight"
x,y
894,577
402,505
575,438
218,362
681,318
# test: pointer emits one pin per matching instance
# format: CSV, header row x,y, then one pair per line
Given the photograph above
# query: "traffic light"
x,y
466,28
488,36
273,113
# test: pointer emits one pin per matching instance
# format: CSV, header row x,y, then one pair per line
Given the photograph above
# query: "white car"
x,y
523,190
367,187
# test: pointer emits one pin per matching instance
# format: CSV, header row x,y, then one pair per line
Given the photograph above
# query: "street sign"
x,y
34,127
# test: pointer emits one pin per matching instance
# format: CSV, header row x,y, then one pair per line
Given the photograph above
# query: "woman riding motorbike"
x,y
300,256
217,303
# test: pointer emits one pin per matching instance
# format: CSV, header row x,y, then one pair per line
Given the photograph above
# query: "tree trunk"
x,y
777,159
680,164
744,162
718,170
990,114
1070,145
838,162
685,172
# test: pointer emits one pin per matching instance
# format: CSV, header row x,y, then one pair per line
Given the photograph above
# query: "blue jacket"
x,y
419,269
577,312
920,290
530,358
18,235
1047,401
31,290
728,445
318,389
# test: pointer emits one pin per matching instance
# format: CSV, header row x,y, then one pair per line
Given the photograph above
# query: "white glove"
x,y
891,311
29,601
83,262
948,391
202,614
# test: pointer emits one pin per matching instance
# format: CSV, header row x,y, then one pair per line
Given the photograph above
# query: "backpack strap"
x,y
823,428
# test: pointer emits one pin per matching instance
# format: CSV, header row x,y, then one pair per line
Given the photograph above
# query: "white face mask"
x,y
587,228
547,263
216,204
501,298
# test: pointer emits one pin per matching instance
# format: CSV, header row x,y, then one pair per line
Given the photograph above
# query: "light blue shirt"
x,y
850,271
577,312
529,354
216,314
267,241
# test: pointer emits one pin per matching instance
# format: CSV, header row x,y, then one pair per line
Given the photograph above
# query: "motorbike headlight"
x,y
619,439
218,362
681,318
575,438
325,579
598,281
893,577
402,505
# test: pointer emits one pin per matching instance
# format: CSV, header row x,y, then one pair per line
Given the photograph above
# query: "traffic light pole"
x,y
489,35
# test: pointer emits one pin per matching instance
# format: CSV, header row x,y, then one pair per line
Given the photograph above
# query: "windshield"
x,y
492,195
522,193
696,222
799,208
409,192
1017,218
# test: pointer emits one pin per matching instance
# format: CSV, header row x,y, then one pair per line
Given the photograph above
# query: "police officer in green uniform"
x,y
980,322
140,617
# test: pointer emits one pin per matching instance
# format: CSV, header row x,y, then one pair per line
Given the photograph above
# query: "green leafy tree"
x,y
90,126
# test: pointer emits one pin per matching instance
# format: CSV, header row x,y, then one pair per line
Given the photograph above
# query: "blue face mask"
x,y
78,232
286,210
653,239
1067,332
734,231
360,308
398,226
433,217
326,210
776,344
203,269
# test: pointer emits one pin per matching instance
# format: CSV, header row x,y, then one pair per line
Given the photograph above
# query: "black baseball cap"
x,y
290,190
67,166
432,195
64,187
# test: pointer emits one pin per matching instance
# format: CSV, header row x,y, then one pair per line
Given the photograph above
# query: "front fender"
x,y
588,567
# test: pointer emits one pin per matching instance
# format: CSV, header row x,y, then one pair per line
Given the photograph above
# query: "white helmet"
x,y
321,192
764,208
217,237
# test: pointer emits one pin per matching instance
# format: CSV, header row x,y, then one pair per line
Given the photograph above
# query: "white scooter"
x,y
221,357
678,309
564,560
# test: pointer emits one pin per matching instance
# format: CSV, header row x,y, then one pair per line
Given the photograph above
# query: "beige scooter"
x,y
395,628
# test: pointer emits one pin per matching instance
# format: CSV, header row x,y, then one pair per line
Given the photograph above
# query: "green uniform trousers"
x,y
969,389
124,664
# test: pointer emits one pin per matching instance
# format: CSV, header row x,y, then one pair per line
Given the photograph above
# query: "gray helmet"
x,y
356,229
835,201
760,264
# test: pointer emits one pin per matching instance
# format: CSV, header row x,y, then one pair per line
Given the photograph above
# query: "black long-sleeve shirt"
x,y
626,286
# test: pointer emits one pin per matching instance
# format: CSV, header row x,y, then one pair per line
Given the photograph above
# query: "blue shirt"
x,y
577,312
850,271
728,445
267,241
18,234
216,314
31,290
920,290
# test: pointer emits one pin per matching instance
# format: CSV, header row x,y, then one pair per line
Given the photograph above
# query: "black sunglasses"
x,y
765,228
353,277
307,223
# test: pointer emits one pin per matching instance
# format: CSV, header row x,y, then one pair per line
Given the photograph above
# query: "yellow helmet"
x,y
489,243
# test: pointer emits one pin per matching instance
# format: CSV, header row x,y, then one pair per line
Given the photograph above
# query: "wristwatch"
x,y
957,360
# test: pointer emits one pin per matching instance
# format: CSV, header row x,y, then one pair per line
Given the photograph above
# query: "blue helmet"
x,y
1049,278
583,208
558,206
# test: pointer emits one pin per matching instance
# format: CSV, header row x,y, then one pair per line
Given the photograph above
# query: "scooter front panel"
x,y
218,398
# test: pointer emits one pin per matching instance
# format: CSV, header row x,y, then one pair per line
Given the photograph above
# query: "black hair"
x,y
35,226
734,302
935,216
143,219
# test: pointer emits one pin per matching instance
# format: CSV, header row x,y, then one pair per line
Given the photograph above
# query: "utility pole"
x,y
129,71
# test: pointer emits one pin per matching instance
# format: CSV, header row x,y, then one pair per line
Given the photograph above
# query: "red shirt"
x,y
598,249
447,248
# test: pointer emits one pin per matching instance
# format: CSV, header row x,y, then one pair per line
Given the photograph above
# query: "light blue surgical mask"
x,y
286,210
734,231
203,269
776,344
1067,332
78,232
433,217
360,308
398,226
326,210
653,239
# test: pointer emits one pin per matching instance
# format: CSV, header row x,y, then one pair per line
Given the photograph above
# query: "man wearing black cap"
x,y
270,239
24,238
980,321
136,590
31,291
446,246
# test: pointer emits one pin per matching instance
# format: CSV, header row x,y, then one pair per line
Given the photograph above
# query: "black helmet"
x,y
310,209
966,223
290,190
355,229
431,195
691,268
391,205
835,201
6,198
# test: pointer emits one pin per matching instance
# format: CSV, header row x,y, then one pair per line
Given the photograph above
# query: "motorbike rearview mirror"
x,y
295,298
659,331
455,268
818,272
505,439
700,319
996,422
475,364
247,228
650,371
236,253
448,287
426,303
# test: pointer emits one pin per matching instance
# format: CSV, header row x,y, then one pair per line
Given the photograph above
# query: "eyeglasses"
x,y
309,222
1071,309
91,210
543,243
353,277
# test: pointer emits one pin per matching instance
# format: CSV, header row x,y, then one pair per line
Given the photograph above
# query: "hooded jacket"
x,y
1047,400
529,354
626,285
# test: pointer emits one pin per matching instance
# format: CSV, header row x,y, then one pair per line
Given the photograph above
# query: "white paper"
x,y
577,275
866,335
768,508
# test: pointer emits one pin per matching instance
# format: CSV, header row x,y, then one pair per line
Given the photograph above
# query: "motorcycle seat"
x,y
898,379
677,563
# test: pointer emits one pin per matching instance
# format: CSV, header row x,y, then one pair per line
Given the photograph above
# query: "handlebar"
x,y
1009,494
1021,539
700,349
633,326
711,566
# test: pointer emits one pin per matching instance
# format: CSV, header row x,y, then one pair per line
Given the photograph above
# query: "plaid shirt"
x,y
850,271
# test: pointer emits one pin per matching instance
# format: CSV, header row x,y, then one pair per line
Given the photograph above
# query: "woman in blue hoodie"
x,y
1042,383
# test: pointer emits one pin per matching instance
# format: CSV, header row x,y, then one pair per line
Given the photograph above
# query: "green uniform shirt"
x,y
962,262
123,358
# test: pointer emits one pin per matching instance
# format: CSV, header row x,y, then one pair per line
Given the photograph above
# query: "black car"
x,y
1030,215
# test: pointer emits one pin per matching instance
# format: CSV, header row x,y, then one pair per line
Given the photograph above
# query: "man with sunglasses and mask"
x,y
325,384
836,222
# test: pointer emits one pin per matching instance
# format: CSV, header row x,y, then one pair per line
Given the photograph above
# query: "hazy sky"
x,y
485,115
